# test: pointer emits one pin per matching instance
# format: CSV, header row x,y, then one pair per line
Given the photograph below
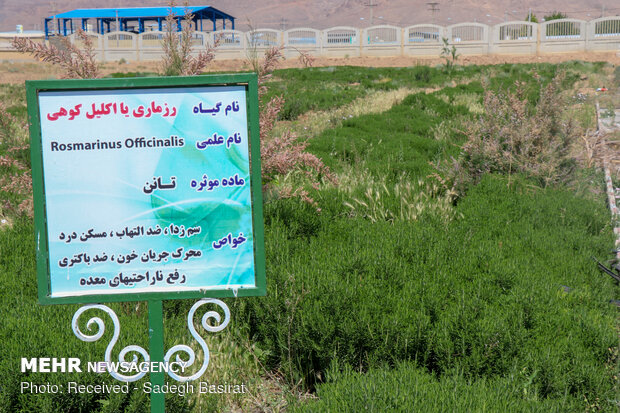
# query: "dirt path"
x,y
312,123
17,69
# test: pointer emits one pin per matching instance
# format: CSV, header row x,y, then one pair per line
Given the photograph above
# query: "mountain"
x,y
320,14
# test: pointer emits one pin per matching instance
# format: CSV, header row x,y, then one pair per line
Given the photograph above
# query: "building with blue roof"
x,y
134,19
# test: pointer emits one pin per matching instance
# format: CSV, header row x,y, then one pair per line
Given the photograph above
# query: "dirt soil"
x,y
15,68
611,57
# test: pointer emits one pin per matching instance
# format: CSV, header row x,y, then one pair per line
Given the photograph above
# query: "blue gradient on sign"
x,y
103,190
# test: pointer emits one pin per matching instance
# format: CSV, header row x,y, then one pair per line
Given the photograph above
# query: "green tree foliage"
x,y
556,15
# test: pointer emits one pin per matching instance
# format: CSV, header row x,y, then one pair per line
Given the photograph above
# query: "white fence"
x,y
514,37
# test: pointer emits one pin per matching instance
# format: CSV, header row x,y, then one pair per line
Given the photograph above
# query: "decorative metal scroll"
x,y
209,315
212,329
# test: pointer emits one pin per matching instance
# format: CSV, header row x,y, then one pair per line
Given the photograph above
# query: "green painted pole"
x,y
156,352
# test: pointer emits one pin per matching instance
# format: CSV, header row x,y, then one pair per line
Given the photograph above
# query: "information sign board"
x,y
147,188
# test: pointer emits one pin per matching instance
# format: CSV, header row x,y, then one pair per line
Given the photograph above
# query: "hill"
x,y
320,14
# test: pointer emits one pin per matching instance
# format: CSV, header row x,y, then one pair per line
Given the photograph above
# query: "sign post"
x,y
147,189
156,348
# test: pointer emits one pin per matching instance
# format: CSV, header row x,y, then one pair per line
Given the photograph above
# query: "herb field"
x,y
394,290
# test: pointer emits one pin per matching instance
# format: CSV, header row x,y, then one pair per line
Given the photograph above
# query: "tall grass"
x,y
478,303
459,307
482,295
404,200
324,88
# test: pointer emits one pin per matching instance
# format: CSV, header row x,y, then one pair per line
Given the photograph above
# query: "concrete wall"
x,y
515,37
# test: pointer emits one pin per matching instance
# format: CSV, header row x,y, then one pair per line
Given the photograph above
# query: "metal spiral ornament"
x,y
212,329
108,351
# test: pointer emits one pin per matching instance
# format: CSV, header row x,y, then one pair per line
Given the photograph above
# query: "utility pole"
x,y
434,8
53,11
372,5
117,29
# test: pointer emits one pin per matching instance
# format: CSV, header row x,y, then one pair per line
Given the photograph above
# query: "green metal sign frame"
x,y
247,80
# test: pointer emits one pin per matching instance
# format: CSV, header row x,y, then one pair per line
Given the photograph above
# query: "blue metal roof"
x,y
135,12
105,17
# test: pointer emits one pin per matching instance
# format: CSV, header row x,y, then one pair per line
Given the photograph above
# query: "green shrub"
x,y
482,295
411,389
403,315
31,330
324,88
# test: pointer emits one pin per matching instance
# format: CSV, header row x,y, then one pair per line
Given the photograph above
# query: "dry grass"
x,y
18,72
376,199
470,101
282,153
313,123
236,360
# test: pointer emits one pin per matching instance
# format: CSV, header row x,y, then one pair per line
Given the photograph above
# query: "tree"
x,y
556,15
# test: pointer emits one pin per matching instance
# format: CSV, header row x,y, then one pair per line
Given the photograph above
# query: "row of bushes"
x,y
483,295
421,314
478,305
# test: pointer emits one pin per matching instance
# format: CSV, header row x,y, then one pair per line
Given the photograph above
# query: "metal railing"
x,y
424,34
515,32
468,32
515,37
564,29
606,28
341,36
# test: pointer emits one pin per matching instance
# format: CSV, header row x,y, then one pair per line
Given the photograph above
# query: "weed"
x,y
77,64
592,142
305,58
15,181
514,137
264,67
403,200
449,54
608,113
283,154
252,55
177,47
442,131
